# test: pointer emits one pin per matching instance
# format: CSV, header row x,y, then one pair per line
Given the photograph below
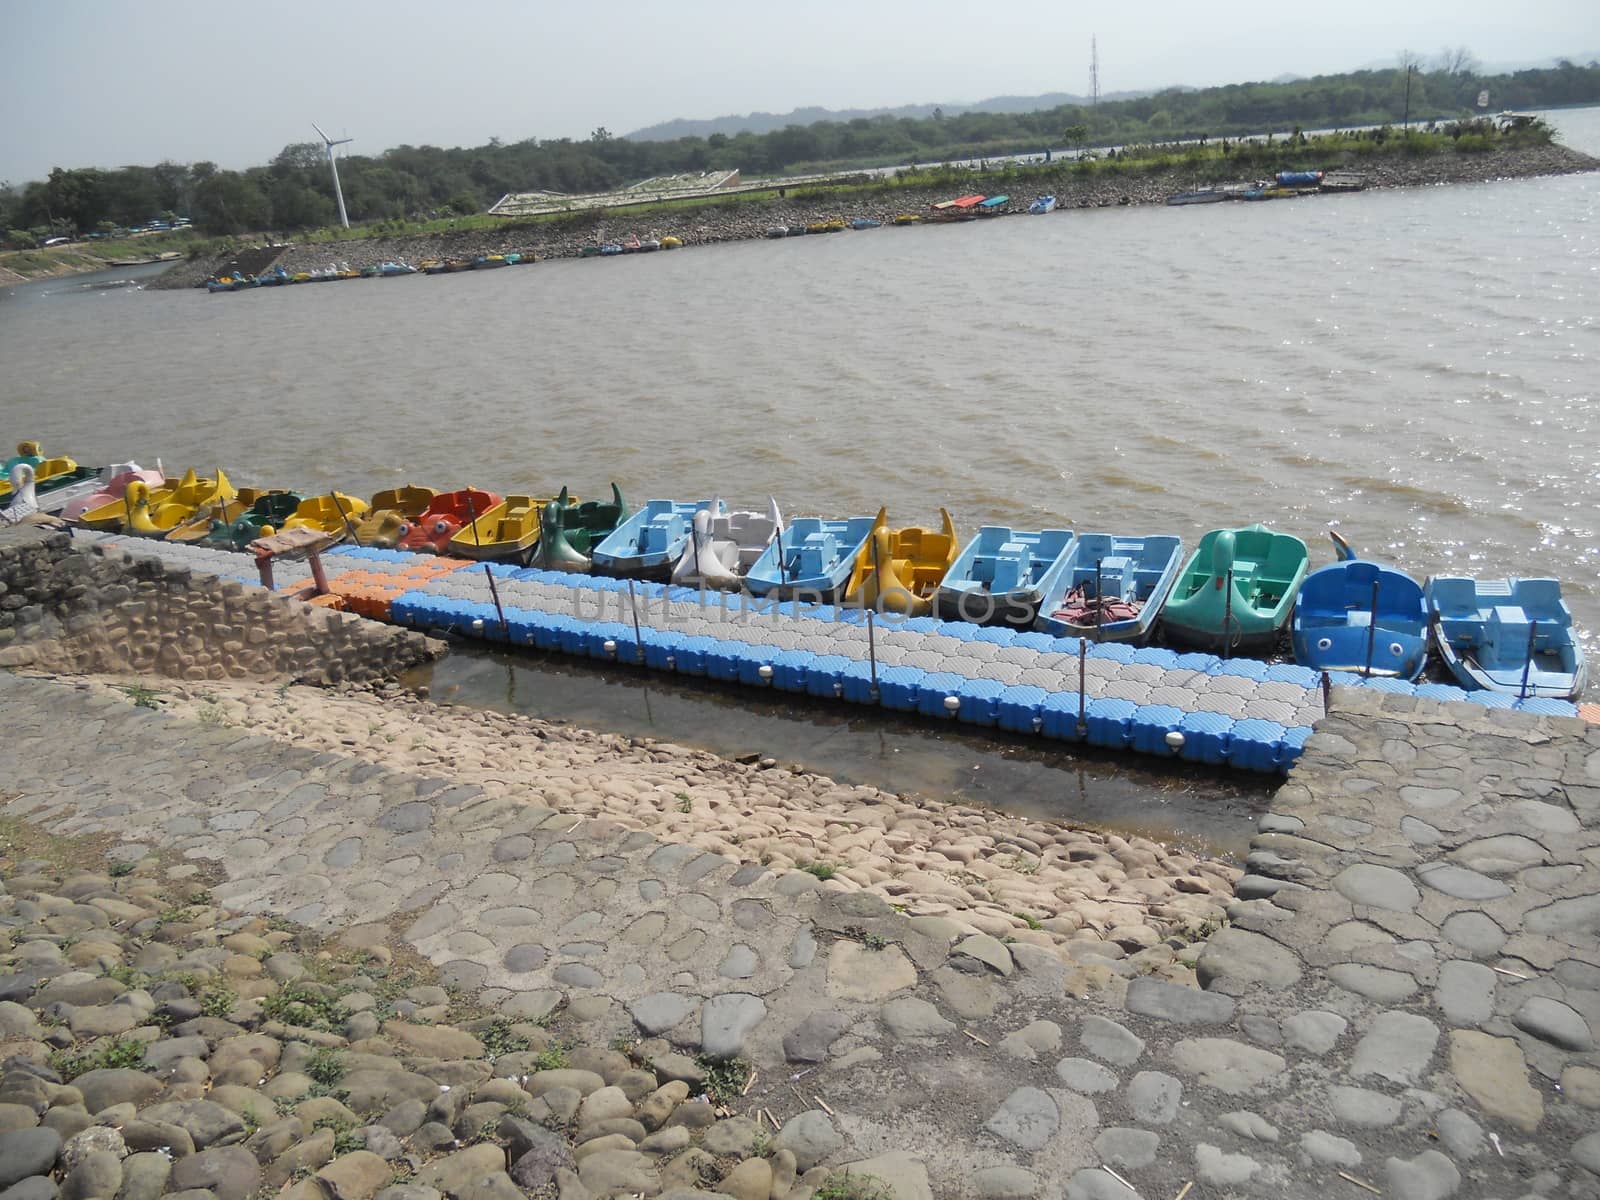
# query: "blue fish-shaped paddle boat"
x,y
1002,574
1360,616
812,558
650,542
1507,635
1112,588
1042,205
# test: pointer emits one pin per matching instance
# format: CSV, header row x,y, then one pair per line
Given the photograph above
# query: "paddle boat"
x,y
901,569
432,266
1044,204
22,502
589,251
486,262
1236,591
229,283
109,487
506,533
1199,195
812,559
443,518
262,519
388,270
650,542
568,532
908,219
222,512
277,277
649,245
670,242
146,518
610,249
391,513
334,514
631,244
1360,616
1507,635
185,497
725,545
1002,575
49,474
865,223
798,231
1112,588
992,205
27,452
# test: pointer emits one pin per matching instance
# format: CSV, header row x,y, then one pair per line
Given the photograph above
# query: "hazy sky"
x,y
110,82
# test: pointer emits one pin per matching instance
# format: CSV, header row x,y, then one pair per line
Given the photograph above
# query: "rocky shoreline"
x,y
709,225
1034,881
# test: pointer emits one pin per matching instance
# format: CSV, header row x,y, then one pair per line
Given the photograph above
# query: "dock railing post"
x,y
1372,631
1527,666
1083,671
1227,617
494,592
1327,693
638,638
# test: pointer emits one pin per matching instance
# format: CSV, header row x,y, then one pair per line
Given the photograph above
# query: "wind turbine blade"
x,y
320,134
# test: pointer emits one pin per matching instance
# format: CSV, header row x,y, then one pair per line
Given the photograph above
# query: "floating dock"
x,y
1201,708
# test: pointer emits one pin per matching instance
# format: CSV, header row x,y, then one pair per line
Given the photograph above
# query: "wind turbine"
x,y
333,166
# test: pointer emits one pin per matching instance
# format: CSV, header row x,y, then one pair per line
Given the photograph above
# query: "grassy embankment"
x,y
94,256
1219,161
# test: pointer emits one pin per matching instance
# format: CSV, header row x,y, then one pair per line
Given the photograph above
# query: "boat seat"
x,y
1114,572
1508,627
660,532
1011,563
818,552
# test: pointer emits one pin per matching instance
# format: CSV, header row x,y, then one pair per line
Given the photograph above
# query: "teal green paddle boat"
x,y
1236,591
569,533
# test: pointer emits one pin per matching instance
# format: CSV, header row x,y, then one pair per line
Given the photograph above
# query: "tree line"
x,y
294,192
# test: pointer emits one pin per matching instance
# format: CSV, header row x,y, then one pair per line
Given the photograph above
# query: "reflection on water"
x,y
1200,809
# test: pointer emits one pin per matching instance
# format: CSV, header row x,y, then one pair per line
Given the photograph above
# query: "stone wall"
x,y
71,608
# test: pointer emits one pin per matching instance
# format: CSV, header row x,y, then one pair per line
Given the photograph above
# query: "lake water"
x,y
1417,366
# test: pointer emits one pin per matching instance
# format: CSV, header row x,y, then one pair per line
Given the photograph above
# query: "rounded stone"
x,y
1474,932
1153,1097
1131,1149
1028,1118
1554,1022
1083,1075
810,1137
25,1152
1377,887
1109,1041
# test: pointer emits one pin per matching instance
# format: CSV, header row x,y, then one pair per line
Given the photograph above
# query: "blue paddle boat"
x,y
812,558
650,542
1507,635
1002,575
865,223
1112,587
1042,205
1354,615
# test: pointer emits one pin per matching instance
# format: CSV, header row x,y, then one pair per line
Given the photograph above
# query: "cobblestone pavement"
x,y
1405,1000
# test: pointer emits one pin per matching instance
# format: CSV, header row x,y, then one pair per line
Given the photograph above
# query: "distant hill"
x,y
763,122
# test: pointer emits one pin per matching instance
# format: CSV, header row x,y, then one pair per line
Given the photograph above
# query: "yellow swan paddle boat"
x,y
335,514
227,511
506,532
899,570
166,507
391,515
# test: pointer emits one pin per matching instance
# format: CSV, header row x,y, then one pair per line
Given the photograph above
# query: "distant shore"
x,y
711,224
